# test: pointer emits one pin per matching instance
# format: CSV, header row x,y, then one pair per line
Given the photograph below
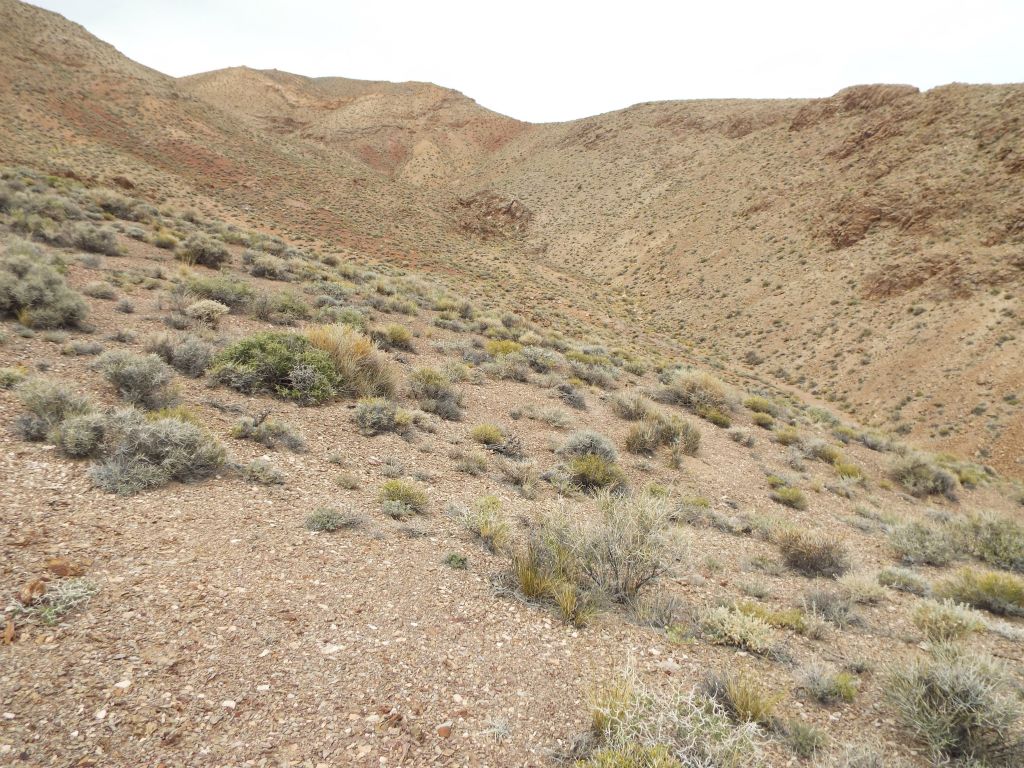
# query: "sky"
x,y
561,59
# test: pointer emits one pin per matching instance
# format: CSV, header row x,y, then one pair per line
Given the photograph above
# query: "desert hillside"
x,y
348,423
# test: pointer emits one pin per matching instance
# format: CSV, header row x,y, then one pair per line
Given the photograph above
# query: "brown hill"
x,y
863,248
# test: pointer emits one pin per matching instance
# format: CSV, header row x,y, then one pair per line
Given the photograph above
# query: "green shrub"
x,y
592,472
521,474
812,553
80,436
806,740
832,605
280,308
993,591
100,289
763,420
946,620
94,239
283,364
960,703
269,432
786,436
435,394
35,292
412,498
140,379
202,249
921,477
759,404
487,434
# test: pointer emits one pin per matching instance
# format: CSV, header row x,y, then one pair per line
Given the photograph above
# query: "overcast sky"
x,y
558,60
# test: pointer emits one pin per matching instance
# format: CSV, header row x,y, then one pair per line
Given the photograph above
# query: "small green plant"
x,y
60,598
263,472
804,739
283,364
827,685
393,336
592,472
377,415
917,542
456,561
435,394
763,420
487,434
743,698
48,405
33,290
202,249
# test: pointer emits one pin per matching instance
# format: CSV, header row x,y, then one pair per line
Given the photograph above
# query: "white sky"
x,y
559,60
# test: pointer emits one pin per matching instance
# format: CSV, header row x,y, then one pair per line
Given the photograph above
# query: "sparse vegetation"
x,y
33,290
269,432
813,553
400,499
331,519
993,591
922,477
435,394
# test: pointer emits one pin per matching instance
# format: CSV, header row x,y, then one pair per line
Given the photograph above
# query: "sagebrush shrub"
x,y
727,626
960,703
330,519
917,542
207,311
435,394
263,472
33,290
993,538
93,239
922,477
377,415
269,432
202,249
146,453
188,354
80,436
904,580
946,620
586,442
226,290
48,404
591,472
144,380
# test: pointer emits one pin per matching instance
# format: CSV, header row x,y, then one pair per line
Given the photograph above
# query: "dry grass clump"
x,y
263,472
400,499
961,704
393,336
946,620
435,393
33,290
486,521
207,311
632,725
592,461
576,563
813,553
60,598
702,393
631,406
993,591
922,477
361,370
522,475
488,435
743,697
656,430
143,380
